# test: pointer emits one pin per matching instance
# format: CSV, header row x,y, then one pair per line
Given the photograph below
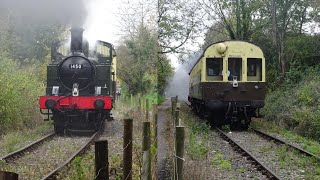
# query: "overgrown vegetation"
x,y
198,140
20,89
296,106
24,53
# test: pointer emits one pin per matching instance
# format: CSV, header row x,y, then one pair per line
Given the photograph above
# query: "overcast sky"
x,y
102,20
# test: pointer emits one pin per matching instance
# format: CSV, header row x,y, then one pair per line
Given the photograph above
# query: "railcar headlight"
x,y
235,82
99,104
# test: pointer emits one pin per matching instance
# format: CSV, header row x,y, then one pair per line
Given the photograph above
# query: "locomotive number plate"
x,y
75,66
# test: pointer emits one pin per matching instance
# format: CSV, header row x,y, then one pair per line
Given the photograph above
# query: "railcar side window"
x,y
254,69
214,66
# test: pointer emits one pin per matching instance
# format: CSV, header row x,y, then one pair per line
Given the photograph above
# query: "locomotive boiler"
x,y
227,83
80,86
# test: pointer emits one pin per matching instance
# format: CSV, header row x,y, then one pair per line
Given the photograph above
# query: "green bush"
x,y
296,106
20,90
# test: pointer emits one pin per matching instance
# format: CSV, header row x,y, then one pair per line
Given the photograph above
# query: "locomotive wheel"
x,y
244,124
59,128
234,126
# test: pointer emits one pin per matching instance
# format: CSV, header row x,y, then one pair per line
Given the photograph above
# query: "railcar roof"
x,y
218,43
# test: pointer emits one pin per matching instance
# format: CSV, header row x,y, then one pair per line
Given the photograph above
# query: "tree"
x,y
138,61
240,18
177,25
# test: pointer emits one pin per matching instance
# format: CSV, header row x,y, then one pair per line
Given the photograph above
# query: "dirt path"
x,y
163,144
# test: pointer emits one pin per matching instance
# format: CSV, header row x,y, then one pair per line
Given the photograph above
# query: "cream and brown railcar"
x,y
227,83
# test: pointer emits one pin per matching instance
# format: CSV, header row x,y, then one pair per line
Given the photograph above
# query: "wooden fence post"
x,y
147,109
5,175
146,161
155,124
156,130
179,158
127,149
101,160
177,114
172,105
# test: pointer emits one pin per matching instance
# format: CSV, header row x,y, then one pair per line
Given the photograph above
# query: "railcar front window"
x,y
214,66
234,68
254,69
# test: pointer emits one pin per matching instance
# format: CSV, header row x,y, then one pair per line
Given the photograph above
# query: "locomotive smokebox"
x,y
76,39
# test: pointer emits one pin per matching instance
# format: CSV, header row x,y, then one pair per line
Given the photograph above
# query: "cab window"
x,y
235,69
63,50
254,69
214,66
102,50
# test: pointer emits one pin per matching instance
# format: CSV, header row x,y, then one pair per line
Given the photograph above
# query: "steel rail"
x,y
277,140
265,170
53,174
27,148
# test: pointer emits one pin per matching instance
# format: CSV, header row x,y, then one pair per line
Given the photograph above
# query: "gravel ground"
x,y
45,158
287,164
163,156
221,162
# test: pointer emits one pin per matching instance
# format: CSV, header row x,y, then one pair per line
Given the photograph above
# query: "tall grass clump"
x,y
297,106
20,89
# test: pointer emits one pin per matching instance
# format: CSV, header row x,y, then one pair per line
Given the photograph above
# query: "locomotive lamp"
x,y
55,90
97,90
75,89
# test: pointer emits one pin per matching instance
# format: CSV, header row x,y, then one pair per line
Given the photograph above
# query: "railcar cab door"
x,y
234,71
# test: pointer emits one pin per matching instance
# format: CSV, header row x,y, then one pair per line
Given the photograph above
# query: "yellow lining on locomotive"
x,y
234,49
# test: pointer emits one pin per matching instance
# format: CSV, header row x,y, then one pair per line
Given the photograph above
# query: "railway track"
x,y
270,153
280,141
25,163
264,169
28,148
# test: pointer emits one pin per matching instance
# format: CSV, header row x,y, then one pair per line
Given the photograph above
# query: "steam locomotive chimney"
x,y
76,39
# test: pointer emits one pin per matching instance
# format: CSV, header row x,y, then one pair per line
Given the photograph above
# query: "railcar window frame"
x,y
211,64
256,63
